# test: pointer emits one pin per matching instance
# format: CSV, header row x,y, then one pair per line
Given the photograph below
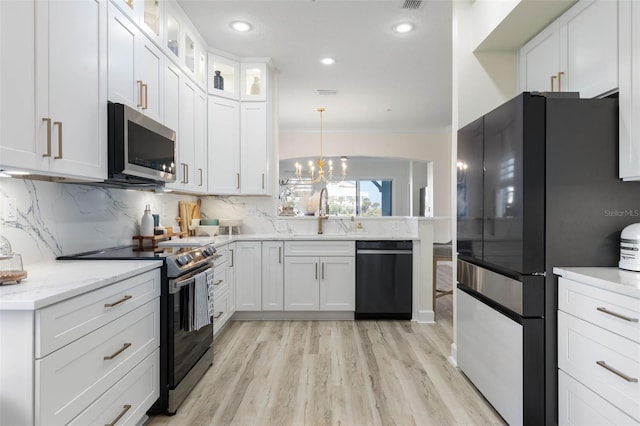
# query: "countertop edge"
x,y
612,279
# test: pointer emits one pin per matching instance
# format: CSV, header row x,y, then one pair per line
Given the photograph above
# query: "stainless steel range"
x,y
186,352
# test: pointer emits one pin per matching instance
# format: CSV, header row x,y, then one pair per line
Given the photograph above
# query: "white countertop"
x,y
224,239
613,279
51,282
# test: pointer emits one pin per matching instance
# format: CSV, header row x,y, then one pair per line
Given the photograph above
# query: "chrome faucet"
x,y
323,208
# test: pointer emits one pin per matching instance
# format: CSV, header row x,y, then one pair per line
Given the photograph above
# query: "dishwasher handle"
x,y
384,252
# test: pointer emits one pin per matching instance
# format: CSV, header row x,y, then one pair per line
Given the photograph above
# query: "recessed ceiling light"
x,y
404,27
327,61
241,26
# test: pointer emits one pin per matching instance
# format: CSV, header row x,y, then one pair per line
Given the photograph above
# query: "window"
x,y
363,197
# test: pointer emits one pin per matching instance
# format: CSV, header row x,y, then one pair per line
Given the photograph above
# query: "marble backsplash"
x,y
60,218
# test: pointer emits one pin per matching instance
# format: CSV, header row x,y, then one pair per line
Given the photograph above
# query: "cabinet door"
x,y
172,86
589,47
253,146
224,146
122,46
540,61
149,61
200,141
337,284
18,147
186,169
301,283
71,46
272,276
248,276
231,277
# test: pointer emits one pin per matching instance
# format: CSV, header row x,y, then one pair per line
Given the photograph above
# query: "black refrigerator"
x,y
537,187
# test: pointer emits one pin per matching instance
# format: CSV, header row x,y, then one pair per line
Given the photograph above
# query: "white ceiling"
x,y
386,81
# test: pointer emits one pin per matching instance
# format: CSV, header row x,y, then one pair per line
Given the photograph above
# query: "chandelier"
x,y
322,176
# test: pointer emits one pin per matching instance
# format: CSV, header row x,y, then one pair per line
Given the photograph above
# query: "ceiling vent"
x,y
327,92
412,4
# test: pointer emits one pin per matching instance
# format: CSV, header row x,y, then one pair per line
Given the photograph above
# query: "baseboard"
x,y
453,358
426,317
291,315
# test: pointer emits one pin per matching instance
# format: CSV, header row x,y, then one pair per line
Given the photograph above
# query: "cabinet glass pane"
x,y
152,15
189,53
224,77
254,81
173,30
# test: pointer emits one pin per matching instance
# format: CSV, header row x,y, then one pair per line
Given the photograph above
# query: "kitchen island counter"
x,y
612,279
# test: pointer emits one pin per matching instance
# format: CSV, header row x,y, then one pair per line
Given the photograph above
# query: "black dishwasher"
x,y
384,279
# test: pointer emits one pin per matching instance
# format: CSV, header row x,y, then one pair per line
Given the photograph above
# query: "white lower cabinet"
x,y
95,357
248,255
272,276
224,288
598,355
324,282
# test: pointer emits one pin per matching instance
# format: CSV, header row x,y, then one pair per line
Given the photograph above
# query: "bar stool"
x,y
441,252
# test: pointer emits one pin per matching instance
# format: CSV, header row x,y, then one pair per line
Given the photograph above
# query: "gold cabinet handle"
x,y
323,270
219,315
218,282
129,3
553,77
560,74
48,121
146,96
59,124
139,82
316,271
185,179
231,266
117,302
200,171
238,180
617,372
615,314
118,352
263,181
122,413
279,255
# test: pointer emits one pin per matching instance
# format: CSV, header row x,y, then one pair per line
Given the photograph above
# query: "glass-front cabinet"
x,y
172,43
223,76
190,53
253,81
147,14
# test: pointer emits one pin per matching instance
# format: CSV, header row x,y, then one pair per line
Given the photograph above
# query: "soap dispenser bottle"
x,y
146,223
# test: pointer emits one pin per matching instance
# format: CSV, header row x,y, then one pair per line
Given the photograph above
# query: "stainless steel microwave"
x,y
141,150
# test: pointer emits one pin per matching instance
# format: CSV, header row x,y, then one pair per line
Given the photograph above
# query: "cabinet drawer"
x,y
70,379
220,281
221,312
64,322
612,311
577,405
224,255
582,347
131,397
319,248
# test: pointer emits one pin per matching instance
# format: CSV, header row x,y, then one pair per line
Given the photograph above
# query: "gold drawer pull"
x,y
48,121
59,124
124,299
615,314
219,315
617,372
118,352
217,282
140,103
122,413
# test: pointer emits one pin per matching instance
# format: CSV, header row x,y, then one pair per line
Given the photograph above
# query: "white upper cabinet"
x,y
147,14
56,122
135,66
577,53
224,146
254,144
224,77
253,81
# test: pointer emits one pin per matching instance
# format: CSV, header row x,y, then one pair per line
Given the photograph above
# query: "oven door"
x,y
185,348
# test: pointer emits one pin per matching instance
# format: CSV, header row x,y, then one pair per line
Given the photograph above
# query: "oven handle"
x,y
176,284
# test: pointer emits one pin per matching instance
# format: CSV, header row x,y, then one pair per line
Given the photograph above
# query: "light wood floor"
x,y
351,373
